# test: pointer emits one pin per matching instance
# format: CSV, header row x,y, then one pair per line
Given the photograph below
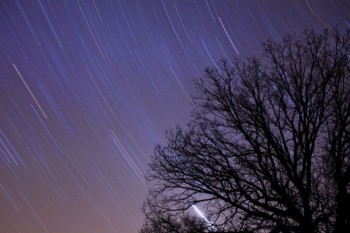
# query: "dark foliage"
x,y
268,146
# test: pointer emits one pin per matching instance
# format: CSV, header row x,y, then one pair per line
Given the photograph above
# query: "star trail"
x,y
88,88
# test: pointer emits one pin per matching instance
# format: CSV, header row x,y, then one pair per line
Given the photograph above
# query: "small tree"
x,y
268,145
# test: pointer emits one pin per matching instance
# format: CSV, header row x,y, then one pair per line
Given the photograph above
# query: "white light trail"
x,y
228,36
200,213
31,93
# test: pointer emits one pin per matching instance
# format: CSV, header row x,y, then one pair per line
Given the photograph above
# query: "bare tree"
x,y
268,145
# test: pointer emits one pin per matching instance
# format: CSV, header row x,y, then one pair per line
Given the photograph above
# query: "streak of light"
x,y
308,4
93,36
211,13
9,197
49,21
125,153
47,130
180,84
100,211
200,213
30,26
144,68
228,36
34,212
8,152
182,24
209,54
171,23
31,93
93,1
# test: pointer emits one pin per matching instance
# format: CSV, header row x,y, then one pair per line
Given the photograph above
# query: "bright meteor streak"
x,y
200,213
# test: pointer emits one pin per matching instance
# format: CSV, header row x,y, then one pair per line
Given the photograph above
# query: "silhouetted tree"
x,y
268,145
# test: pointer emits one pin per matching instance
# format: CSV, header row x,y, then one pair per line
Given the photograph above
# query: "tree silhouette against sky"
x,y
268,146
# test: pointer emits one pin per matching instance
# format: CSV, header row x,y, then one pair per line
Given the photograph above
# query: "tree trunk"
x,y
342,224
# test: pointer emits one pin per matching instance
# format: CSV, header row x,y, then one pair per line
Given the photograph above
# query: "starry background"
x,y
88,88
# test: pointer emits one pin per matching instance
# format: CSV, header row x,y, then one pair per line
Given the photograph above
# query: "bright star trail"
x,y
200,214
88,88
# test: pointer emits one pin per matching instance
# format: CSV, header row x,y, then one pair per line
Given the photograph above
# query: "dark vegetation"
x,y
267,148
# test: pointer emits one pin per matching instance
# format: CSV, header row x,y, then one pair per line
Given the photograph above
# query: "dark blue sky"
x,y
88,87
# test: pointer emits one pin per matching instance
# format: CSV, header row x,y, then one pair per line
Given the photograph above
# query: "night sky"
x,y
88,88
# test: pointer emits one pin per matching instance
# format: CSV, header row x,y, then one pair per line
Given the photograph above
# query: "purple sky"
x,y
88,87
